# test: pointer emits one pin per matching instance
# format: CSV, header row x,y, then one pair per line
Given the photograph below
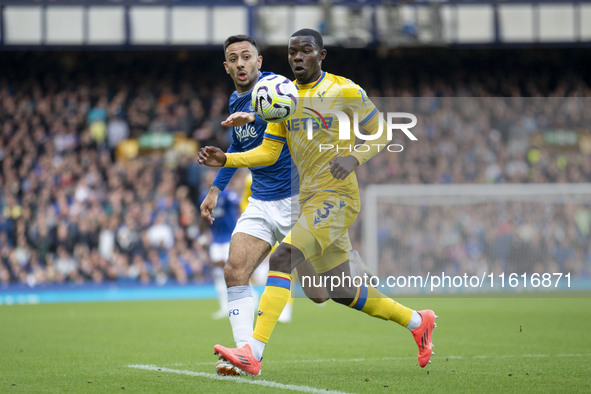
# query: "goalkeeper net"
x,y
490,231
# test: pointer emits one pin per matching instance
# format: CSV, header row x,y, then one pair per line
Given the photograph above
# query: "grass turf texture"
x,y
481,344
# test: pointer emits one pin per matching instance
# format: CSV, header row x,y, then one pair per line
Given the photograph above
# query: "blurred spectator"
x,y
117,131
160,233
70,212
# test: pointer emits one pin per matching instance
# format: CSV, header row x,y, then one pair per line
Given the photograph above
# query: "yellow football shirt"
x,y
313,132
315,137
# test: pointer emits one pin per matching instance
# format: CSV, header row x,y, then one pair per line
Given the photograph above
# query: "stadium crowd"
x,y
71,212
486,141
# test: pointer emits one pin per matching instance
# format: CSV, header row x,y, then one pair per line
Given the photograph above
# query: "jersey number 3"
x,y
323,212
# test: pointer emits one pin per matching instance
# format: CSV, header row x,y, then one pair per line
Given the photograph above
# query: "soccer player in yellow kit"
x,y
329,198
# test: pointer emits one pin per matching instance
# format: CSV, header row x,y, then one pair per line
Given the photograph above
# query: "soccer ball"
x,y
274,98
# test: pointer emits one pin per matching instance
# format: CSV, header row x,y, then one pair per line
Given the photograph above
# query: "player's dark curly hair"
x,y
310,32
240,38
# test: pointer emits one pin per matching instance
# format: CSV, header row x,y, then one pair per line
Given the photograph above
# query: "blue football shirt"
x,y
269,183
226,215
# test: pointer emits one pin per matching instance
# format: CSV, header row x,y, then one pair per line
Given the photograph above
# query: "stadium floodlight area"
x,y
157,24
502,236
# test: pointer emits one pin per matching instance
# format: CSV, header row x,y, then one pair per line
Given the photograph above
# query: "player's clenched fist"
x,y
212,156
341,167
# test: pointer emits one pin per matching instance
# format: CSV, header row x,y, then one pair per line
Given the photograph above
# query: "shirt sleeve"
x,y
224,174
367,151
356,101
369,119
265,154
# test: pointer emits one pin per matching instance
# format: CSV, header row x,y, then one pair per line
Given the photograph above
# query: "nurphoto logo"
x,y
318,121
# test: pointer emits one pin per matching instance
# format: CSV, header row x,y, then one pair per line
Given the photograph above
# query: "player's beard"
x,y
246,83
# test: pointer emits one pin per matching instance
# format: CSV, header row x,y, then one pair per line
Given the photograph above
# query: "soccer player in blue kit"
x,y
273,206
225,216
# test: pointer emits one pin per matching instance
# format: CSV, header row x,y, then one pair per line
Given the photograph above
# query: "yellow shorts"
x,y
321,232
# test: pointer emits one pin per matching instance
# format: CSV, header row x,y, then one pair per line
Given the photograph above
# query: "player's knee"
x,y
235,274
285,258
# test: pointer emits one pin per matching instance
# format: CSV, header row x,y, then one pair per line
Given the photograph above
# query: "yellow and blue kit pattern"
x,y
329,92
328,206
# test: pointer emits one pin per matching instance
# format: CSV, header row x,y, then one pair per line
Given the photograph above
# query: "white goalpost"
x,y
495,229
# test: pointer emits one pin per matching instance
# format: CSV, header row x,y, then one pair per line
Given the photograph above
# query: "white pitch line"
x,y
236,379
323,360
358,360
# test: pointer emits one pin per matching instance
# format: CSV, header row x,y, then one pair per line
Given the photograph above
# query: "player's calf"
x,y
339,285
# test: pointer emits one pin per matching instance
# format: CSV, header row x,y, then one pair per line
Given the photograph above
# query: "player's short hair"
x,y
310,32
240,38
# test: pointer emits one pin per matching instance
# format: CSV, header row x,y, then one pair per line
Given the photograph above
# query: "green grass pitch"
x,y
481,345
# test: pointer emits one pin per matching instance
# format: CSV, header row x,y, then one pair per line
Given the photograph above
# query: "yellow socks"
x,y
275,297
374,303
367,299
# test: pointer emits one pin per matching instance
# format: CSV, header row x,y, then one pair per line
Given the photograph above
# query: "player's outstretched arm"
x,y
265,154
238,119
211,156
209,204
